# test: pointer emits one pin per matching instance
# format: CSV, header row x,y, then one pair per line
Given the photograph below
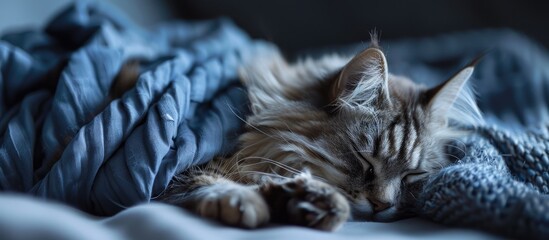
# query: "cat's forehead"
x,y
381,121
391,137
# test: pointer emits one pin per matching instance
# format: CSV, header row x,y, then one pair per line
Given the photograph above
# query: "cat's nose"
x,y
379,205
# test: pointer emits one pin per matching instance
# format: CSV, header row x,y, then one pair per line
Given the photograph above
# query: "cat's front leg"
x,y
305,201
215,197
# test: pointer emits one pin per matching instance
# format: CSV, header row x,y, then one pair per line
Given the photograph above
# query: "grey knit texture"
x,y
500,185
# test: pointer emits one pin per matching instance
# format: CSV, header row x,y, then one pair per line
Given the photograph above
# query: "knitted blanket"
x,y
61,139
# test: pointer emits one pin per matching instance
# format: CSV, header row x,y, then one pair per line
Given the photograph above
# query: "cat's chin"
x,y
389,215
361,212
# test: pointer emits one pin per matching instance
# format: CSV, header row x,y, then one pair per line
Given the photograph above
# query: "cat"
x,y
327,140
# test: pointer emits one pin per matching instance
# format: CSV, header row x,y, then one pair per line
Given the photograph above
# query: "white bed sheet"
x,y
24,217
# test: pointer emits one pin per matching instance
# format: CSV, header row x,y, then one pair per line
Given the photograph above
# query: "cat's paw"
x,y
307,202
232,204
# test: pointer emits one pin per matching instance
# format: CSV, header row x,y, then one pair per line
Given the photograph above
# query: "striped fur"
x,y
372,136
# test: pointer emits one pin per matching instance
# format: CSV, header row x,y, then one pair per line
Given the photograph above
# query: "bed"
x,y
29,218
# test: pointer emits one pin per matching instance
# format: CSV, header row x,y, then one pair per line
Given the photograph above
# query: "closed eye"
x,y
414,176
359,154
369,174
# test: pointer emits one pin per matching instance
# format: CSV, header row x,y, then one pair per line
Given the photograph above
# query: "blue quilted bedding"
x,y
59,137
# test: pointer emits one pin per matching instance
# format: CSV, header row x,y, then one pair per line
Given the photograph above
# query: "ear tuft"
x,y
374,39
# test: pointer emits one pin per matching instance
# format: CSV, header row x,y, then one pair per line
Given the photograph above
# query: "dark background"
x,y
297,25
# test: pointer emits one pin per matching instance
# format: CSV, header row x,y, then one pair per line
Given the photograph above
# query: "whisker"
x,y
277,163
413,196
254,127
455,147
235,164
249,172
450,155
344,153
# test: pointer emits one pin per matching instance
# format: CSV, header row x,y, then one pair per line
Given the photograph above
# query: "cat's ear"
x,y
453,99
363,81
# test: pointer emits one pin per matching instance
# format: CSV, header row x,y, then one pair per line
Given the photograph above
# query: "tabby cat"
x,y
328,140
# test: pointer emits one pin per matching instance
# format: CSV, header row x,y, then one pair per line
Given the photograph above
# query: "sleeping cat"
x,y
328,140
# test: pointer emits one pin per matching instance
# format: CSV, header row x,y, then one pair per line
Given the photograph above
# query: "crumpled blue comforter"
x,y
61,139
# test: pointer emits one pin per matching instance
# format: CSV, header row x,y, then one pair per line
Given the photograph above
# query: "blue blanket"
x,y
59,137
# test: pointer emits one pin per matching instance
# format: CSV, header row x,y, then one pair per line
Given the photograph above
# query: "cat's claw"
x,y
308,202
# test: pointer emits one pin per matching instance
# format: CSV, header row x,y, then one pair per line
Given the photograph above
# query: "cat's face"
x,y
382,137
386,136
382,159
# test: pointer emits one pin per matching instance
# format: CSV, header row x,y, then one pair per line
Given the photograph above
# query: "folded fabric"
x,y
62,139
